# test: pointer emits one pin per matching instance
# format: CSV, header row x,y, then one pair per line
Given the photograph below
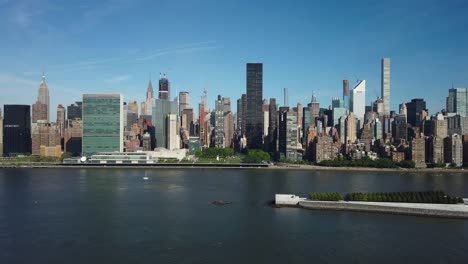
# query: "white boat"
x,y
145,178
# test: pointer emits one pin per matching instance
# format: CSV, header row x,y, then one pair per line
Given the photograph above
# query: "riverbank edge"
x,y
226,166
382,208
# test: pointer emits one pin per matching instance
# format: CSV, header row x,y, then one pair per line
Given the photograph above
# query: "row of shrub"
x,y
367,162
405,197
215,152
328,196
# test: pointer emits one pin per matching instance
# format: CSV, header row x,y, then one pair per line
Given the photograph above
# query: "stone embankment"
x,y
433,210
419,209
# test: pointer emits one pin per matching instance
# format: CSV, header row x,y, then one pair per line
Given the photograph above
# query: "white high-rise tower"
x,y
357,101
386,85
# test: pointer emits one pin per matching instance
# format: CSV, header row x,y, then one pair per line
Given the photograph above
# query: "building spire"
x,y
149,90
43,77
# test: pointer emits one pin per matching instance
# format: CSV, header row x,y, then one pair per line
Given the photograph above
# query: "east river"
x,y
115,216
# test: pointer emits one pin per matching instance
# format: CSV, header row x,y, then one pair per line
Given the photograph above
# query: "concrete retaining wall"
x,y
349,206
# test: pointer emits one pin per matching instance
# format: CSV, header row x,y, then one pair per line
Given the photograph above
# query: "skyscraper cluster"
x,y
347,127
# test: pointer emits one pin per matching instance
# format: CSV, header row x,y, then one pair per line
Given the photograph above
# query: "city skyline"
x,y
90,55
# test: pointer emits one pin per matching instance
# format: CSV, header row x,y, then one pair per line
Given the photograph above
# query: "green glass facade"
x,y
102,123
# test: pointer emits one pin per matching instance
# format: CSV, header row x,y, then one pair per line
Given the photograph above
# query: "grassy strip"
x,y
327,196
435,197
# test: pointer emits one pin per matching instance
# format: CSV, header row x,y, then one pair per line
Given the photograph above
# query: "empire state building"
x,y
41,109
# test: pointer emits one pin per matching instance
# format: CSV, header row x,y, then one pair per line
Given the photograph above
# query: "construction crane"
x,y
357,79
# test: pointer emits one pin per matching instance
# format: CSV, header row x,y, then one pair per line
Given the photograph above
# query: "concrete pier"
x,y
418,209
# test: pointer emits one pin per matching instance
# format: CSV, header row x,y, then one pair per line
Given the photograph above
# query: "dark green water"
x,y
114,216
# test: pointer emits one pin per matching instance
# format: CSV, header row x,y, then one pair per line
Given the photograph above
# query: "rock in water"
x,y
221,202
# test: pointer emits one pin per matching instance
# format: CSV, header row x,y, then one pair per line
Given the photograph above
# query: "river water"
x,y
115,216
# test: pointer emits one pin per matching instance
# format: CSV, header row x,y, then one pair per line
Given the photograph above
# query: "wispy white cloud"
x,y
7,79
119,78
175,51
130,56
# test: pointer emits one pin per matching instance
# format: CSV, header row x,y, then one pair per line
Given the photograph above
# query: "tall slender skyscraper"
x,y
219,123
386,85
285,97
254,115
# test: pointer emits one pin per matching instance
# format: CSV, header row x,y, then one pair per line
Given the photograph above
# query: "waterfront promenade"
x,y
283,166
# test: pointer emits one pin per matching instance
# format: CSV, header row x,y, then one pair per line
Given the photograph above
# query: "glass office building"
x,y
17,130
102,123
457,101
159,119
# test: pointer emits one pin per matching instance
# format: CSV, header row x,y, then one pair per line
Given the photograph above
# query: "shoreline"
x,y
223,166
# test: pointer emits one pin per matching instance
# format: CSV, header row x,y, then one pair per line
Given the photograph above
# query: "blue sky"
x,y
113,47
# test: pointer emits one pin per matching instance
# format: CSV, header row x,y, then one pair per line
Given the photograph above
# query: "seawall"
x,y
432,210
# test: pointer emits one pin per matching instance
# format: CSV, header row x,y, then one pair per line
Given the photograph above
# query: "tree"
x,y
256,156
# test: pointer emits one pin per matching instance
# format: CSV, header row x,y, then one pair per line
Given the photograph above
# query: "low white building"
x,y
162,153
286,199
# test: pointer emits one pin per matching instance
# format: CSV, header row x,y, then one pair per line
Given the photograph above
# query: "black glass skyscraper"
x,y
17,130
75,110
413,109
254,114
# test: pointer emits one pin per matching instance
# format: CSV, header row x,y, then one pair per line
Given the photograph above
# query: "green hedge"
x,y
405,197
367,162
329,196
215,152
